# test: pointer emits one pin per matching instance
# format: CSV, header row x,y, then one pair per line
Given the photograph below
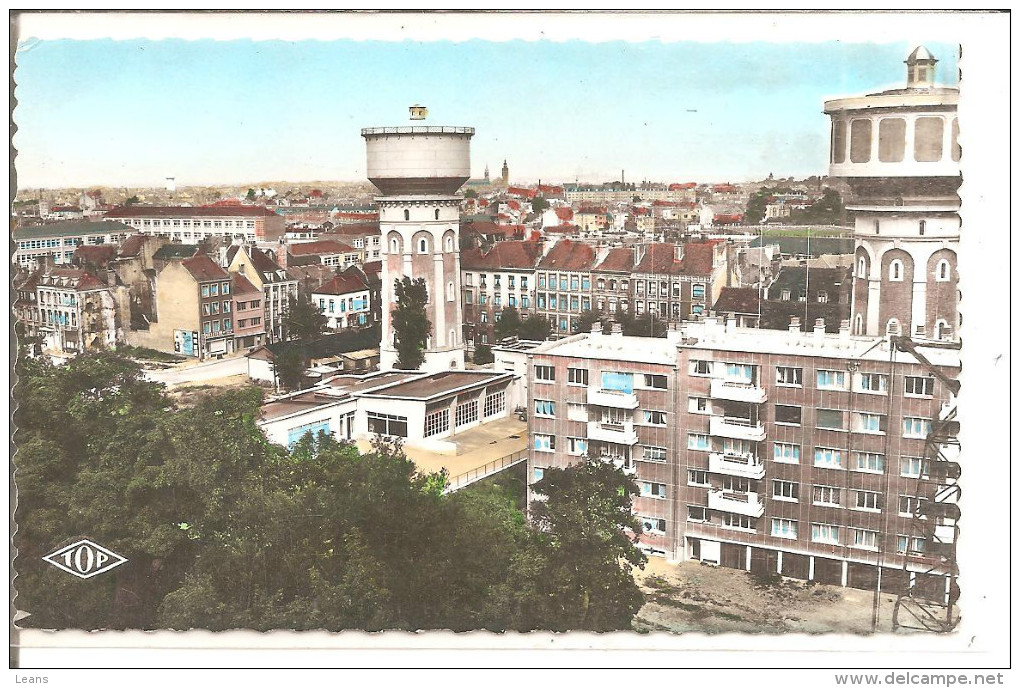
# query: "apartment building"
x,y
277,286
564,284
677,282
249,328
324,252
805,454
492,279
56,242
344,300
247,223
611,280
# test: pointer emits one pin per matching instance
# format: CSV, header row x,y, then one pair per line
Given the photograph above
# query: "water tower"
x,y
419,170
898,151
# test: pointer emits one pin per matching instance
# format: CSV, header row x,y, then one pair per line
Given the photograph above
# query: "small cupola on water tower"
x,y
920,68
418,112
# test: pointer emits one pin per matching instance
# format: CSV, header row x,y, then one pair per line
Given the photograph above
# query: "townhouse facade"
x,y
678,282
345,300
564,284
192,225
277,287
803,454
491,280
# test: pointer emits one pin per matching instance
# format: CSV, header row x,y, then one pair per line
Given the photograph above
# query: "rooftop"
x,y
422,129
182,211
66,229
439,384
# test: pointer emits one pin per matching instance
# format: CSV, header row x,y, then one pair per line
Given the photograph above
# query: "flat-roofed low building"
x,y
239,224
56,242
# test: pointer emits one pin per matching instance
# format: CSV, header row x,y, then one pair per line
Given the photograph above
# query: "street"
x,y
199,373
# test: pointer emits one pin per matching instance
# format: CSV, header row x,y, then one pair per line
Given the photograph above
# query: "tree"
x,y
410,322
304,320
483,354
470,193
646,325
590,555
588,318
539,204
289,367
251,194
536,328
132,201
509,323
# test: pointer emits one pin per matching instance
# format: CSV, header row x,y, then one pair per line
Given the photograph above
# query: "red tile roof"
x,y
659,259
342,284
513,205
203,269
565,214
88,281
569,255
178,211
551,190
132,246
241,285
724,188
617,260
318,248
372,267
738,300
521,191
99,255
681,187
514,255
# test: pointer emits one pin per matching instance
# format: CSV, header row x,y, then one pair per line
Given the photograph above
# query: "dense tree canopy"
x,y
304,320
222,529
410,322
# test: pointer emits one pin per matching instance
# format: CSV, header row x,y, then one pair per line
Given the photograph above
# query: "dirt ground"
x,y
190,393
711,599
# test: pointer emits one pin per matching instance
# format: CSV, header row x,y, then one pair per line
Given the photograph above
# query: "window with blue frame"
x,y
618,382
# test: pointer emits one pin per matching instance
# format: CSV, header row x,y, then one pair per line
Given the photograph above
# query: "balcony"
x,y
628,467
620,433
738,391
736,428
739,465
612,399
744,503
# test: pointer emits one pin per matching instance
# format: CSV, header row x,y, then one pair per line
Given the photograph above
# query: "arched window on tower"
x,y
453,337
449,291
437,213
862,268
896,270
942,330
920,227
942,271
423,246
394,245
449,244
892,327
407,214
859,325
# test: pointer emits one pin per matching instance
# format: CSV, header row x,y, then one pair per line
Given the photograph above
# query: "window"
x,y
908,544
206,309
916,427
215,325
862,268
698,405
449,291
655,417
868,462
793,377
740,373
578,412
385,424
786,453
701,367
869,422
737,522
215,308
228,325
214,290
838,141
918,386
226,306
830,419
825,495
784,490
865,539
920,227
789,415
860,140
914,467
874,382
577,376
544,408
495,403
698,291
545,373
698,514
225,288
655,381
910,505
655,490
698,478
928,139
437,217
407,214
545,443
892,132
784,528
423,246
437,422
822,532
577,446
867,500
205,291
826,457
831,379
700,442
467,413
653,453
653,525
896,270
942,271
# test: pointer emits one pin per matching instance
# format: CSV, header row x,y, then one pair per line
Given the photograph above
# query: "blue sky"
x,y
129,113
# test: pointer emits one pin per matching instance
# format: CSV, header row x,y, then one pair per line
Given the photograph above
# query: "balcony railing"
x,y
605,431
612,398
736,428
731,390
744,503
628,467
740,465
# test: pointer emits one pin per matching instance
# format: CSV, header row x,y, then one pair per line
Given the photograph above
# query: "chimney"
x,y
794,324
818,335
617,330
731,322
596,328
844,332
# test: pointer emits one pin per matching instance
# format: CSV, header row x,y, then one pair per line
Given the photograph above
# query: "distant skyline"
x,y
133,112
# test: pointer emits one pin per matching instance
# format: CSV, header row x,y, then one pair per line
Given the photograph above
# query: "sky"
x,y
131,112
